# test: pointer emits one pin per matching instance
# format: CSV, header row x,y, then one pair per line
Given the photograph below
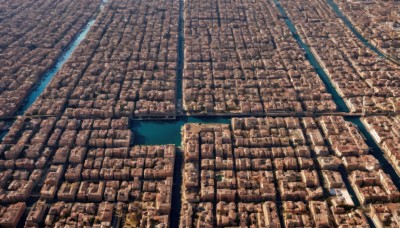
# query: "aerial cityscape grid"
x,y
200,113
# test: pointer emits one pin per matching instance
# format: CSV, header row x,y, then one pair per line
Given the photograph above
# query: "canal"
x,y
181,58
375,149
341,105
3,133
49,75
157,132
346,21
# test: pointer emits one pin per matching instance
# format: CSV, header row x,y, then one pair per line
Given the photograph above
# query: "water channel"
x,y
49,75
341,105
181,57
159,132
346,21
169,131
376,150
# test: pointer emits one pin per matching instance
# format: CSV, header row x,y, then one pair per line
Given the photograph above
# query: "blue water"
x,y
349,187
376,150
341,105
181,56
167,131
2,134
335,8
172,127
48,76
